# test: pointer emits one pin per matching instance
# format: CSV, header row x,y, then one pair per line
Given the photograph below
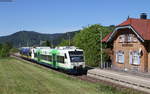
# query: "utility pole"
x,y
51,41
19,45
101,64
27,44
41,42
69,41
69,38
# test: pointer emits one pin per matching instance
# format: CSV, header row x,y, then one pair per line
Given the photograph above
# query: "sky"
x,y
58,16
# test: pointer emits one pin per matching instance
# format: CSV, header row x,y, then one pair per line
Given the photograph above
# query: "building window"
x,y
126,38
122,38
134,57
135,39
129,38
120,57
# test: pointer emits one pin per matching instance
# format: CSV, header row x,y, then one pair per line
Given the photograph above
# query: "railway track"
x,y
108,82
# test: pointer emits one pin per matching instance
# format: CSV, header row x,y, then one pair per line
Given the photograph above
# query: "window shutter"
x,y
130,57
138,58
116,56
122,58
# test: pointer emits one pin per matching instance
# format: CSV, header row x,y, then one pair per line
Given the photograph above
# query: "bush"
x,y
5,49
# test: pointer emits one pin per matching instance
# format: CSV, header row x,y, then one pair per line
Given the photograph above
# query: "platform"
x,y
122,78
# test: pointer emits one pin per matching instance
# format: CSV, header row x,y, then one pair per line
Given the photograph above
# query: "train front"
x,y
77,61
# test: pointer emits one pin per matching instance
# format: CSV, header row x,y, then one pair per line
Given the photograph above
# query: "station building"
x,y
130,45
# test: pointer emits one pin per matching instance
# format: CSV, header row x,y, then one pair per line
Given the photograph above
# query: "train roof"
x,y
59,48
69,48
25,48
66,47
43,47
62,48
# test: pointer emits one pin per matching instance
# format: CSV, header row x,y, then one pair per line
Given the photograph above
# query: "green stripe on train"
x,y
51,63
54,51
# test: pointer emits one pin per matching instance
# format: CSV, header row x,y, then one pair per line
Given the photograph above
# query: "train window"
x,y
29,53
77,58
25,51
35,54
49,58
75,52
44,57
60,59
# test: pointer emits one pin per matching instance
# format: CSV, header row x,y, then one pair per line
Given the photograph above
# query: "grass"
x,y
18,77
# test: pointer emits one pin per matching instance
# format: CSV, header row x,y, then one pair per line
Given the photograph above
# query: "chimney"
x,y
143,16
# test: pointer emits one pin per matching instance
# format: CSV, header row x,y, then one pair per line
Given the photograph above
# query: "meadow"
x,y
20,77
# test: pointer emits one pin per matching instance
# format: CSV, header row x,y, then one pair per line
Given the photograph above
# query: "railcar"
x,y
25,52
69,59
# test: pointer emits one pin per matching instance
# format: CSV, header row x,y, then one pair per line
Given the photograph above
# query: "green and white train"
x,y
69,58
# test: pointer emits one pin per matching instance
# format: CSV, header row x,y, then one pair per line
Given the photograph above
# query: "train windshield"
x,y
76,56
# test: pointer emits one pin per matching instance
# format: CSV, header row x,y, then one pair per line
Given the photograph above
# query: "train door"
x,y
65,58
38,56
32,53
54,60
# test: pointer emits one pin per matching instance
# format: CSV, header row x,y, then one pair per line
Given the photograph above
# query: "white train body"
x,y
66,58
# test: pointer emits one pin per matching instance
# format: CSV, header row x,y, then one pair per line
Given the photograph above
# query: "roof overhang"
x,y
124,27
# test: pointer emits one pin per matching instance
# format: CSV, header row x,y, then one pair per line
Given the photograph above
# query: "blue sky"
x,y
56,16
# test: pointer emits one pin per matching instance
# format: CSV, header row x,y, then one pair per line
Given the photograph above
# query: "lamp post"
x,y
52,43
101,51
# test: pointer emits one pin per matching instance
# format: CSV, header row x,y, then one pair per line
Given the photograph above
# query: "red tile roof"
x,y
106,37
141,26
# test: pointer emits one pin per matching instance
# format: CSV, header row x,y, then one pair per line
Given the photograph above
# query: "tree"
x,y
66,43
47,43
5,49
89,39
14,50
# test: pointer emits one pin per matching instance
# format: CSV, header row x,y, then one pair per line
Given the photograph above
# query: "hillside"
x,y
31,38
